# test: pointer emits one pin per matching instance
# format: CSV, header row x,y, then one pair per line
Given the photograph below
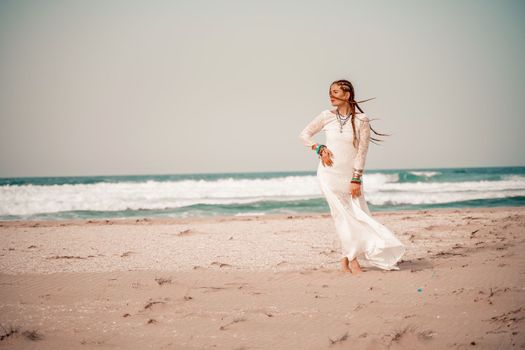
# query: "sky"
x,y
110,87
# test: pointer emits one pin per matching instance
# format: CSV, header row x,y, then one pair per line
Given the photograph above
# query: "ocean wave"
x,y
150,194
126,196
513,177
413,198
424,173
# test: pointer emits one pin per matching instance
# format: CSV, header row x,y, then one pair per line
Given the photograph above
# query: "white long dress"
x,y
360,234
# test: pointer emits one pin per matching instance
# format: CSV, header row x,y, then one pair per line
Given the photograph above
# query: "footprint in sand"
x,y
127,253
220,264
151,303
235,320
187,232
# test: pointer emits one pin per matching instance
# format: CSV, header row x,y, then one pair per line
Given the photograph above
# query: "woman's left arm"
x,y
360,157
364,140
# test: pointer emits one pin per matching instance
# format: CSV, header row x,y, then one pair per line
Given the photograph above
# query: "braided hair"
x,y
345,85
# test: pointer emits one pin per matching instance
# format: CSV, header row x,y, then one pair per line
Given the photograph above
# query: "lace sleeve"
x,y
364,140
311,129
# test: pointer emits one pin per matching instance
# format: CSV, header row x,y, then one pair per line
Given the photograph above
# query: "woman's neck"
x,y
344,110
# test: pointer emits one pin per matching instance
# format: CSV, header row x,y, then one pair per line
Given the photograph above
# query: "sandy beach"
x,y
262,282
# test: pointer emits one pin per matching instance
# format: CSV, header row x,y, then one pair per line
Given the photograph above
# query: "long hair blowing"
x,y
345,85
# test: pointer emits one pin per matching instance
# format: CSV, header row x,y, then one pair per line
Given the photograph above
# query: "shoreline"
x,y
221,218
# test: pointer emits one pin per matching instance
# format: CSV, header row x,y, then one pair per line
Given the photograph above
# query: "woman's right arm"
x,y
306,135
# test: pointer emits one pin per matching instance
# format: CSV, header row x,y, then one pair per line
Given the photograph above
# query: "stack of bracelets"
x,y
356,178
319,149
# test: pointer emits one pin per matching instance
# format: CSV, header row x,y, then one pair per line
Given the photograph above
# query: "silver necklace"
x,y
342,121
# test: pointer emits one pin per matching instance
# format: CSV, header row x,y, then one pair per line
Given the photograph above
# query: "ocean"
x,y
190,195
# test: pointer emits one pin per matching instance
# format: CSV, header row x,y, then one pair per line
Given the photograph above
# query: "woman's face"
x,y
338,96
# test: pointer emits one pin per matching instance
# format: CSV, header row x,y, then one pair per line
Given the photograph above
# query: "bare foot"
x,y
344,264
356,268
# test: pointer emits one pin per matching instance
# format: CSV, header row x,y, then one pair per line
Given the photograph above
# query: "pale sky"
x,y
166,87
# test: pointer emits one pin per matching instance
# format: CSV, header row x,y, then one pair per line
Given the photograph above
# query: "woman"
x,y
364,241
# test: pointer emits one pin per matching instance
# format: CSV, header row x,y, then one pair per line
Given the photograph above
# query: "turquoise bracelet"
x,y
318,148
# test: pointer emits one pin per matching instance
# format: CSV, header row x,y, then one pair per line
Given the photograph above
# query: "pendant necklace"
x,y
342,121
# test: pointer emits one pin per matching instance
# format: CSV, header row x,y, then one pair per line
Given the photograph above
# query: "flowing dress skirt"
x,y
360,234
